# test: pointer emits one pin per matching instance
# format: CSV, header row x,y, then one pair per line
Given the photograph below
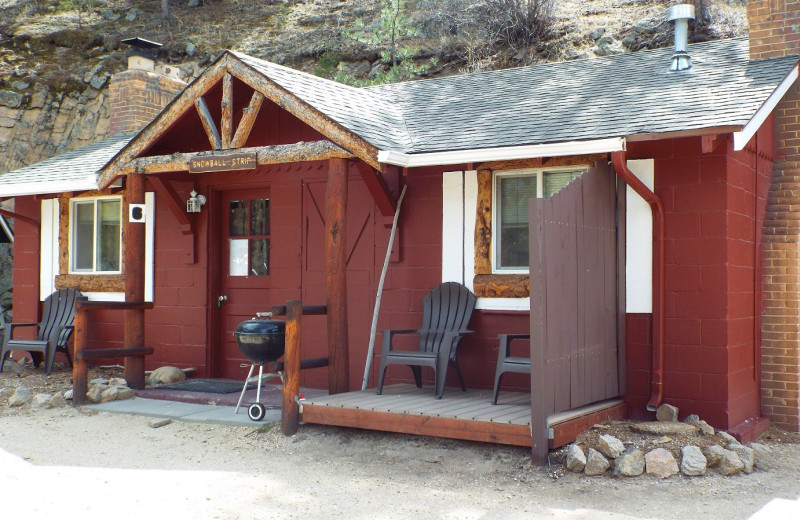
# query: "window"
x,y
95,239
248,232
512,189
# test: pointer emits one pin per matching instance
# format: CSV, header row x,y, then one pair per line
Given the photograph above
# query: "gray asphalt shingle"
x,y
78,166
614,96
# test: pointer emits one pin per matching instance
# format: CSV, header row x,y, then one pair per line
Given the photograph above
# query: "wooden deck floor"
x,y
404,408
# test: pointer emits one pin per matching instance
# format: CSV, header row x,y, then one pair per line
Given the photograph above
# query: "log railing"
x,y
133,354
294,311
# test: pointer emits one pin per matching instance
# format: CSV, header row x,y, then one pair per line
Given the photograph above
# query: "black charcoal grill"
x,y
262,341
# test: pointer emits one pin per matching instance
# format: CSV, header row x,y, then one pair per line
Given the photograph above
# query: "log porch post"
x,y
336,279
134,250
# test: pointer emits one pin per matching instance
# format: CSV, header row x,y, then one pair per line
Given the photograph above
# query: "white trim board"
x,y
506,153
459,203
639,242
742,137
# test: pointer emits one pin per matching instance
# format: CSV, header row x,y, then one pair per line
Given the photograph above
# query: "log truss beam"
x,y
279,154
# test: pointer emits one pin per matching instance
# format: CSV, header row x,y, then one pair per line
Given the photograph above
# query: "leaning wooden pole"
x,y
134,251
80,384
290,414
336,279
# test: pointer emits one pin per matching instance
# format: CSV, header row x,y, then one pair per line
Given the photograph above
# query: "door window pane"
x,y
238,218
260,220
238,257
259,257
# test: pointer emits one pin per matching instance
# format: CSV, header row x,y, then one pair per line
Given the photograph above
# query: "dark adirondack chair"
x,y
446,313
508,363
53,330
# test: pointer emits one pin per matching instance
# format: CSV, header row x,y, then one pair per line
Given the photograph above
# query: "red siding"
x,y
712,223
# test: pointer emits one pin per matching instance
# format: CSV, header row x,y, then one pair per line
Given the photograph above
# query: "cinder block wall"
x,y
136,97
774,33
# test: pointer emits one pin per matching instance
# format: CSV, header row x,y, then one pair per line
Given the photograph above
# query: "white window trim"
x,y
496,176
49,240
72,229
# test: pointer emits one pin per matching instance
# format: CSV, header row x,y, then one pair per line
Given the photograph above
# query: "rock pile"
x,y
703,449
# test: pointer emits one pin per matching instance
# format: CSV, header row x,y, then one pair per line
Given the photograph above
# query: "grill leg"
x,y
241,396
258,391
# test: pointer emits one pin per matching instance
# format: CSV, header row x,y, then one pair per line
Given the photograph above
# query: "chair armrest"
x,y
505,342
11,326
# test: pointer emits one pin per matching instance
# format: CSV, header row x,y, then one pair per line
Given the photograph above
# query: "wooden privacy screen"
x,y
574,302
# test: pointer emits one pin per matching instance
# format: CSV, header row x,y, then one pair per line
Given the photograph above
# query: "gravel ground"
x,y
96,465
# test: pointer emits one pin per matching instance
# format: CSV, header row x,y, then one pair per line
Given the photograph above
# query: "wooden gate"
x,y
574,299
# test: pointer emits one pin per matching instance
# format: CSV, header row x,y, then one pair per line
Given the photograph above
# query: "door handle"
x,y
221,299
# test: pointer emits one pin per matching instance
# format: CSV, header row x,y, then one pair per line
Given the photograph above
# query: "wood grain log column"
x,y
134,250
336,279
290,412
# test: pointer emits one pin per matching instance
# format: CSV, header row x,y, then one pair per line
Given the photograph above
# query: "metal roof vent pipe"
x,y
681,14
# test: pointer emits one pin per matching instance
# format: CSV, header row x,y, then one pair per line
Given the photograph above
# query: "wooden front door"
x,y
244,270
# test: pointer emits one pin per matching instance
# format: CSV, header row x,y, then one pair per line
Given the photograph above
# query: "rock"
x,y
123,392
98,381
665,428
41,400
193,3
94,394
57,401
660,463
109,15
729,439
20,85
706,429
610,446
13,367
746,455
713,455
692,419
109,394
630,464
190,49
132,14
662,440
166,375
99,81
576,459
117,381
762,456
68,394
21,396
158,423
598,33
729,463
693,462
11,99
596,464
667,413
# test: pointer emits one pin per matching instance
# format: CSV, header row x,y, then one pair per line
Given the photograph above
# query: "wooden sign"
x,y
223,163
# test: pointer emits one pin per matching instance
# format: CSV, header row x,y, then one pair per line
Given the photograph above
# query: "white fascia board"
x,y
613,144
44,188
742,137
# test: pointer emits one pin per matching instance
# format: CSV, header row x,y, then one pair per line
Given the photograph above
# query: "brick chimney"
x,y
774,33
138,94
774,28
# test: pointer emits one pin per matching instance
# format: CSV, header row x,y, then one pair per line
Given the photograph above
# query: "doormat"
x,y
208,386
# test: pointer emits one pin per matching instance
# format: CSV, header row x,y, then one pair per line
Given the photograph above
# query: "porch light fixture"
x,y
195,202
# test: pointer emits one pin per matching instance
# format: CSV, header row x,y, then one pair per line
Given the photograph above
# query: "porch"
x,y
470,415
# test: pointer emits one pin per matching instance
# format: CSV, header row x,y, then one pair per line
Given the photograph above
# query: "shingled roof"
x,y
73,171
616,96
